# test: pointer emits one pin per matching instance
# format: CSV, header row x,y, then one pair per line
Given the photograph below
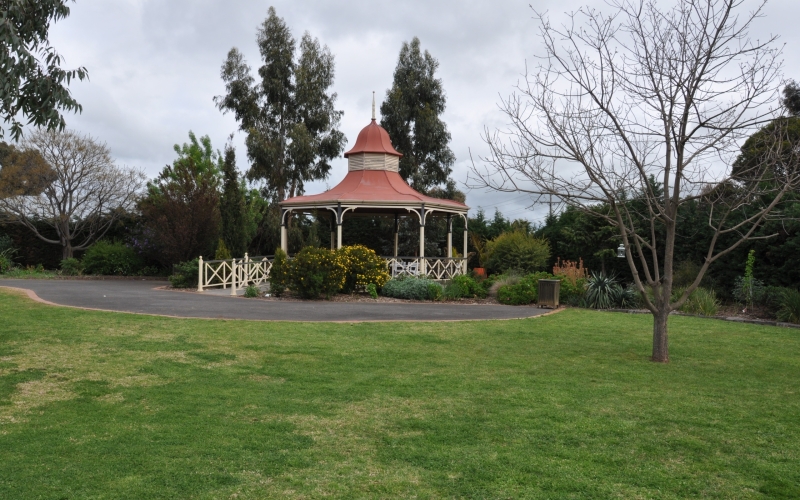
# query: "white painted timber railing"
x,y
241,273
438,268
233,273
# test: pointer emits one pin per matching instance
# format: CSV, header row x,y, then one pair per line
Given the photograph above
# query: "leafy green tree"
x,y
289,115
33,83
206,160
411,116
181,212
232,207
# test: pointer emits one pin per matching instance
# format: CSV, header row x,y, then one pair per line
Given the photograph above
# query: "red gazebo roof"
x,y
373,188
373,139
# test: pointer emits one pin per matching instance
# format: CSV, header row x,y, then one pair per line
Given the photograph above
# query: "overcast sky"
x,y
154,67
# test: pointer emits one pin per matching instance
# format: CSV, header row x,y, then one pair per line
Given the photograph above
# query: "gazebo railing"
x,y
240,273
438,268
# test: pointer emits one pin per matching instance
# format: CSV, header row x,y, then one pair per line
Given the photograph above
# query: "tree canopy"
x,y
33,83
411,116
289,116
70,183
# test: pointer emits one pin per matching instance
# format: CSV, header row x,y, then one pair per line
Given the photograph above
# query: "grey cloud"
x,y
154,66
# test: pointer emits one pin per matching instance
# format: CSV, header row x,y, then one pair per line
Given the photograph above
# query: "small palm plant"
x,y
603,291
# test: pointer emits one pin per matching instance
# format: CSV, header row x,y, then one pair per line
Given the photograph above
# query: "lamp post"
x,y
621,251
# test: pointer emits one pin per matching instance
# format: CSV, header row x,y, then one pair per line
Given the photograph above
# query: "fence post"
x,y
200,275
233,278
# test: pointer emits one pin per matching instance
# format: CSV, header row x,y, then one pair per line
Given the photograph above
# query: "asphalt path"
x,y
143,297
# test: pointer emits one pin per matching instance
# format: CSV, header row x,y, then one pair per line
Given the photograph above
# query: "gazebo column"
x,y
422,270
284,234
333,233
465,245
396,234
339,226
449,236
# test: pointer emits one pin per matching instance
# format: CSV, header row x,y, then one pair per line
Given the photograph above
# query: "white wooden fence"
x,y
233,273
241,273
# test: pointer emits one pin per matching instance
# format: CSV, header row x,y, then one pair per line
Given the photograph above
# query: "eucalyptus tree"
x,y
411,115
648,92
289,113
33,82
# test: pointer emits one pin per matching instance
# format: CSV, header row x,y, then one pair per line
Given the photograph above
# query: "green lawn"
x,y
100,405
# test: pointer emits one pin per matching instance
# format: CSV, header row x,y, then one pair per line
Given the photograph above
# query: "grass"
x,y
28,273
102,405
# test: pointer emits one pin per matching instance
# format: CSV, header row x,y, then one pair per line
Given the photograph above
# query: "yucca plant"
x,y
603,291
629,298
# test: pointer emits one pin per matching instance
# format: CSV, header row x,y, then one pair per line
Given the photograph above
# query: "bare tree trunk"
x,y
66,250
660,349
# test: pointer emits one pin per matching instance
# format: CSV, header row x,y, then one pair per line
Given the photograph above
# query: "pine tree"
x,y
232,207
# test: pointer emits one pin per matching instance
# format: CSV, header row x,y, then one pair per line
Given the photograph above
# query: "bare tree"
x,y
650,104
80,193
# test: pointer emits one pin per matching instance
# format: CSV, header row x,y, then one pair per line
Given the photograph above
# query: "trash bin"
x,y
549,291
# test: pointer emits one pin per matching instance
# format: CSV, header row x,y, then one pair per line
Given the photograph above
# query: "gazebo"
x,y
373,186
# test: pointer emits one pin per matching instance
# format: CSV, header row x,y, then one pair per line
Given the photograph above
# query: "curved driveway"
x,y
142,297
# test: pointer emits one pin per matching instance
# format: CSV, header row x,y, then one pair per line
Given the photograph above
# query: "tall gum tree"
x,y
411,116
642,93
289,114
34,86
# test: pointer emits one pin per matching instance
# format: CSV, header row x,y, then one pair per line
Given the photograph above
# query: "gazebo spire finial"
x,y
373,104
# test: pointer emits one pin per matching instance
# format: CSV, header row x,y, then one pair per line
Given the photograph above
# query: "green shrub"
x,y
702,301
316,271
251,292
151,271
524,292
571,293
517,251
790,307
107,258
372,290
363,266
411,288
455,291
499,281
279,274
185,274
435,291
472,287
7,245
772,298
222,252
71,267
603,291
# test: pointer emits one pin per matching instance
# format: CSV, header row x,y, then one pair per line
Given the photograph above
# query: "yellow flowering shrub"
x,y
314,272
363,267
